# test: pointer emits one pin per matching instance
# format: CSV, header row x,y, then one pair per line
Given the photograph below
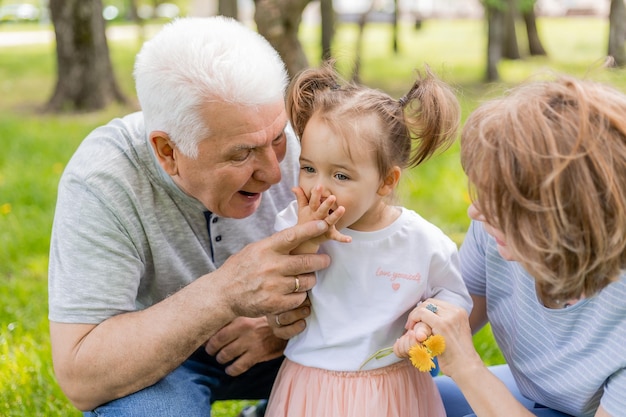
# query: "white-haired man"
x,y
163,265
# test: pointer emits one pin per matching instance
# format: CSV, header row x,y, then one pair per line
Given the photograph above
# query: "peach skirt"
x,y
398,390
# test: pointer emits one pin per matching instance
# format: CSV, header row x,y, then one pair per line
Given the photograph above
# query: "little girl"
x,y
385,258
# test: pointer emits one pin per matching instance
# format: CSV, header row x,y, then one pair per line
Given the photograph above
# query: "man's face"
x,y
238,162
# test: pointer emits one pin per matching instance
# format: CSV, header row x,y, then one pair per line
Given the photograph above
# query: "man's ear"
x,y
390,181
164,151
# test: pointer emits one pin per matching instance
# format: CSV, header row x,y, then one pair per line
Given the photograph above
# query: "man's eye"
x,y
242,155
279,140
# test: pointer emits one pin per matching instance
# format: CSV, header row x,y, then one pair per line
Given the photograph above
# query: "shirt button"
x,y
214,220
218,238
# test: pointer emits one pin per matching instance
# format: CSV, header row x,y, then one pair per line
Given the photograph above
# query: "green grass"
x,y
36,147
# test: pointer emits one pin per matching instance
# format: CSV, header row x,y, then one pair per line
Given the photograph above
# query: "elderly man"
x,y
163,264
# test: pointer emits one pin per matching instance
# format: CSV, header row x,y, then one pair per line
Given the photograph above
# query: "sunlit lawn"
x,y
35,148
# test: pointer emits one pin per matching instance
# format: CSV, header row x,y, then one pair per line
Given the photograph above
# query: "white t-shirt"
x,y
361,301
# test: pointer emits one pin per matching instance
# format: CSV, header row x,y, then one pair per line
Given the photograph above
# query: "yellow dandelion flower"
x,y
467,198
5,208
420,358
57,168
436,344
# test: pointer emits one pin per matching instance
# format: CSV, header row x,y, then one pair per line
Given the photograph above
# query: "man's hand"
x,y
244,342
264,278
289,323
257,281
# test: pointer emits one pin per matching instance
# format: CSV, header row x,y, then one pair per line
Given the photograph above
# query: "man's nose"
x,y
268,169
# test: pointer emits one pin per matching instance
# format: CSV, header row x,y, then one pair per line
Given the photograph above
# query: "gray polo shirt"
x,y
125,236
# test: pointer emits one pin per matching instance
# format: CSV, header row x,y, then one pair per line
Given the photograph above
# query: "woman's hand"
x,y
440,317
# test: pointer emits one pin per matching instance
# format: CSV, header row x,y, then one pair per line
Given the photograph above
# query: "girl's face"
x,y
352,177
474,213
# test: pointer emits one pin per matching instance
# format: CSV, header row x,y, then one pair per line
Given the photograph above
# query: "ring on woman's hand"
x,y
297,287
432,307
278,323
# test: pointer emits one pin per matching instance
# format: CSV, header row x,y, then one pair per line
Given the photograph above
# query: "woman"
x,y
544,256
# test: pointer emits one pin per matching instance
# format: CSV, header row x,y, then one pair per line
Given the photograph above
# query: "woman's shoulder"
x,y
613,296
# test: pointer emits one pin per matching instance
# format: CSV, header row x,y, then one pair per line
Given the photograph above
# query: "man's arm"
x,y
98,363
95,364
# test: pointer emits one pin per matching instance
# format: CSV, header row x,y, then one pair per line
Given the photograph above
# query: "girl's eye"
x,y
308,170
342,177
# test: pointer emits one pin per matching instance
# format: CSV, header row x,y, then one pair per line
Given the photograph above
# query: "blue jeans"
x,y
191,389
457,406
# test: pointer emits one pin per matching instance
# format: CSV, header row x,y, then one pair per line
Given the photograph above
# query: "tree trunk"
x,y
328,28
278,21
535,47
617,32
395,26
85,79
495,28
510,47
132,13
356,71
228,8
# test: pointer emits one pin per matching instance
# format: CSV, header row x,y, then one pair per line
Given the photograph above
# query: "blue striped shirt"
x,y
570,359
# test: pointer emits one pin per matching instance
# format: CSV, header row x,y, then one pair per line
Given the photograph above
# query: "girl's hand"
x,y
404,343
416,332
316,209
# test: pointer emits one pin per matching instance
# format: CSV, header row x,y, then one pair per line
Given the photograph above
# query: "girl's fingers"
x,y
421,331
300,197
325,207
334,217
316,196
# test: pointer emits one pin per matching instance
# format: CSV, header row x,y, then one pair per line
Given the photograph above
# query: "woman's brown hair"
x,y
547,167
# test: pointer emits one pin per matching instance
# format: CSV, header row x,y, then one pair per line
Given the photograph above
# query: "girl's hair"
x,y
547,166
221,61
428,114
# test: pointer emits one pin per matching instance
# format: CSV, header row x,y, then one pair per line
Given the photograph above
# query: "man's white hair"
x,y
195,61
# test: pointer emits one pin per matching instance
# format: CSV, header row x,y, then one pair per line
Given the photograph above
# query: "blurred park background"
x,y
56,86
